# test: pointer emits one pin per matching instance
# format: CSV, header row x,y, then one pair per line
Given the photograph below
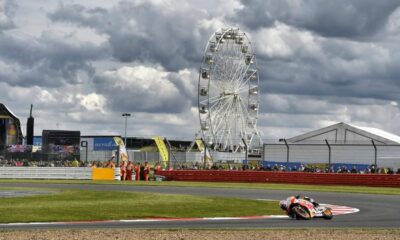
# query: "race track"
x,y
375,210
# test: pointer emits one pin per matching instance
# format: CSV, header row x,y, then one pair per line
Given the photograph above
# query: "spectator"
x,y
110,163
75,163
137,171
123,170
129,170
268,168
301,168
372,169
146,171
354,169
214,167
276,168
157,168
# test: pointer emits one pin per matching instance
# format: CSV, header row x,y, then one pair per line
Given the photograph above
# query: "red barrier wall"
x,y
383,180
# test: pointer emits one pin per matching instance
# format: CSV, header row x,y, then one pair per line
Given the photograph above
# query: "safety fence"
x,y
331,153
45,173
383,180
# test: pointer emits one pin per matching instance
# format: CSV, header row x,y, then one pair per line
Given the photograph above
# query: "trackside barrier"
x,y
46,172
103,174
377,180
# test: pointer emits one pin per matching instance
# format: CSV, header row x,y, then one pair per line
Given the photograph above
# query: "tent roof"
x,y
5,110
380,133
341,128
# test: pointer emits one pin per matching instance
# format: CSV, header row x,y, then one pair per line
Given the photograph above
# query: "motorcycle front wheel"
x,y
301,213
327,214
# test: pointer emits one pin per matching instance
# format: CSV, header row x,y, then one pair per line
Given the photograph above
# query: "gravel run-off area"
x,y
126,233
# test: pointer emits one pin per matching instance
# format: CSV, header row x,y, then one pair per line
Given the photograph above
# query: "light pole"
x,y
126,115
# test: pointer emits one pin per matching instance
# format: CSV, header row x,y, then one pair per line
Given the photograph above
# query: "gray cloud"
x,y
333,67
49,60
319,62
144,32
7,8
146,89
339,18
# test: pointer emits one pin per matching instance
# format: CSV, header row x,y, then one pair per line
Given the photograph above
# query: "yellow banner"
x,y
161,148
199,144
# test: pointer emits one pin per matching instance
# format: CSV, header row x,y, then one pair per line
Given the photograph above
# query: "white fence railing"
x,y
46,172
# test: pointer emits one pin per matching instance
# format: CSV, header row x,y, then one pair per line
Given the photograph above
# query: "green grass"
x,y
262,186
79,205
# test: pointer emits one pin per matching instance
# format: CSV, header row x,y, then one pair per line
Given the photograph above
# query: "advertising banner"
x,y
19,149
11,133
37,141
66,149
104,144
162,148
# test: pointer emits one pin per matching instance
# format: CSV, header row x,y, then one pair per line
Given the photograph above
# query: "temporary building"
x,y
338,143
10,128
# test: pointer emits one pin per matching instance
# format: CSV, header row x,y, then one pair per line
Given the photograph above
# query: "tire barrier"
x,y
376,180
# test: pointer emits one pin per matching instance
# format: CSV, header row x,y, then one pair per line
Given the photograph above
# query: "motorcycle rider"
x,y
286,204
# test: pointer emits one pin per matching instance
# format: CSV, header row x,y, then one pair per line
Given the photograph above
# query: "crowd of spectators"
x,y
284,168
41,163
319,168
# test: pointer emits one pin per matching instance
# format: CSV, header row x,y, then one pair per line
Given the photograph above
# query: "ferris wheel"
x,y
228,92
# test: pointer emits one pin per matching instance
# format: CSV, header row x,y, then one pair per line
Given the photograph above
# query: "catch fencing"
x,y
384,156
176,158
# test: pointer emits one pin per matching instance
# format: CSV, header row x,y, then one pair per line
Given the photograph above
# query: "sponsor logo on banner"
x,y
104,144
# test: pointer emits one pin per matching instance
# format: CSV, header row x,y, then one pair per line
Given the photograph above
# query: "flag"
x,y
162,148
123,154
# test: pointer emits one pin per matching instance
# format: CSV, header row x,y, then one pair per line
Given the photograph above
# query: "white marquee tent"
x,y
339,143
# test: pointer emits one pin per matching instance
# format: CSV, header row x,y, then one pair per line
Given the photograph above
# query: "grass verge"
x,y
263,186
79,205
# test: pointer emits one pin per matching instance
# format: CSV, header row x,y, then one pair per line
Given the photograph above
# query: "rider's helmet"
x,y
283,204
308,199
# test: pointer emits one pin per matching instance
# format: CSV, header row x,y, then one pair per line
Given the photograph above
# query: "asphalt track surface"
x,y
381,211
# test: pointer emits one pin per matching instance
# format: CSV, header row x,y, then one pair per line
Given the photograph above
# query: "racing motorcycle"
x,y
305,208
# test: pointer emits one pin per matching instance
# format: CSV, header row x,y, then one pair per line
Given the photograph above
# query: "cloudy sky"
x,y
83,63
